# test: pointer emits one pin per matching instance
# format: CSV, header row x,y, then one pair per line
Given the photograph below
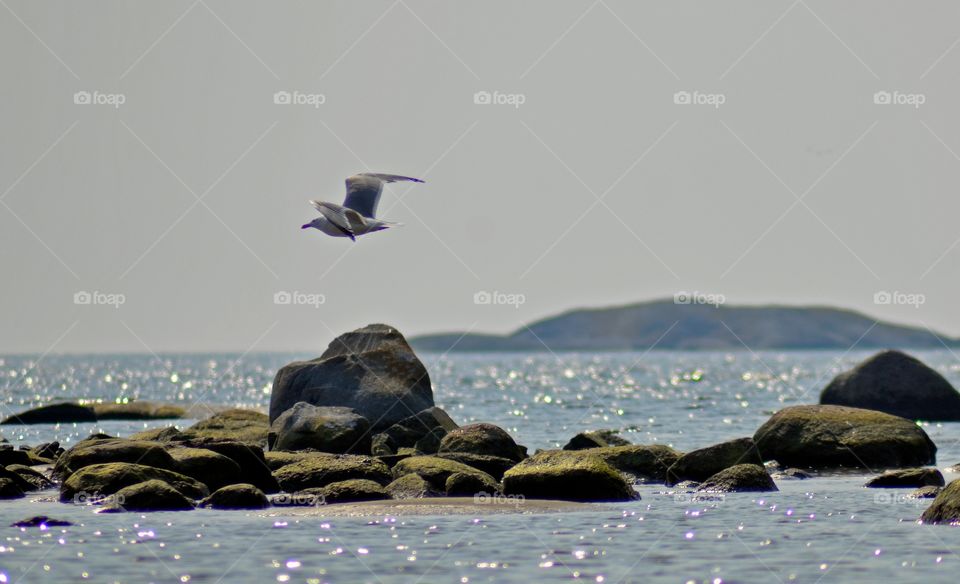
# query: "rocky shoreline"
x,y
357,430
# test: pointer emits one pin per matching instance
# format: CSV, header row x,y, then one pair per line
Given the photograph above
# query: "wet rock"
x,y
372,370
167,434
249,457
596,439
644,462
494,466
436,470
484,439
137,410
945,507
908,477
99,451
236,425
327,429
150,495
60,413
412,486
9,489
210,468
567,475
10,456
321,469
827,436
40,521
739,478
702,464
239,496
898,384
468,485
928,492
38,481
101,480
351,491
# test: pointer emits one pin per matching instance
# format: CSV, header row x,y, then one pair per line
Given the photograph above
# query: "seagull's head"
x,y
306,226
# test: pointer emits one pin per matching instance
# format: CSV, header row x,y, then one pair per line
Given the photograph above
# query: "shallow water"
x,y
827,529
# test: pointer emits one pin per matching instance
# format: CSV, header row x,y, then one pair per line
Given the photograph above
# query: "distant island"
x,y
667,325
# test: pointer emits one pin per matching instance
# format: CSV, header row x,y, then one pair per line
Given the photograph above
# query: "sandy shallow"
x,y
436,506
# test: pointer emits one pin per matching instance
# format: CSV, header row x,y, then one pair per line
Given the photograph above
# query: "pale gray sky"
x,y
693,197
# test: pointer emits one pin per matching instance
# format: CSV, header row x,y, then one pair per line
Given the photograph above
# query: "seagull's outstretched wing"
x,y
347,220
364,189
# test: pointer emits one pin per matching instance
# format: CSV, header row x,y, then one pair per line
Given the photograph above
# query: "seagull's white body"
x,y
356,215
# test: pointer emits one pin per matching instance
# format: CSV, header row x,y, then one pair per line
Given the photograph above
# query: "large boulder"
x,y
568,475
321,469
484,439
101,480
60,413
99,451
325,428
239,496
898,384
945,507
238,425
738,479
210,468
699,465
908,477
150,495
372,370
825,436
596,439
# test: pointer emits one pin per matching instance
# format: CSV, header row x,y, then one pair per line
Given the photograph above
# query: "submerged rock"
x,y
827,436
739,478
596,439
150,495
702,464
40,521
898,384
98,451
238,496
101,480
372,370
321,469
60,413
909,477
945,507
482,438
569,476
327,429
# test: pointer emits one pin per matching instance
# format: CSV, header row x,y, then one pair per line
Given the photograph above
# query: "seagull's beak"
x,y
306,226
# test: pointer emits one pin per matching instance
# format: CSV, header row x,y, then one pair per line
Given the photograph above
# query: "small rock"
x,y
702,464
411,486
321,469
40,521
351,491
482,438
908,477
100,451
37,480
237,425
101,480
738,479
166,434
462,484
596,439
929,492
791,473
494,466
210,468
569,476
239,496
151,495
436,470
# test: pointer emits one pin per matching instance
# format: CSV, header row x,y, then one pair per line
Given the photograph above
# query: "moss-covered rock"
x,y
150,495
238,496
249,457
165,434
97,451
945,507
425,428
100,480
929,492
237,425
596,439
468,485
738,479
645,462
325,428
137,410
907,477
494,466
351,491
279,458
436,470
567,475
210,468
701,464
827,436
321,469
38,481
482,438
412,486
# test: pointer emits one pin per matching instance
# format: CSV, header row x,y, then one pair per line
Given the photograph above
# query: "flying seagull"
x,y
356,215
